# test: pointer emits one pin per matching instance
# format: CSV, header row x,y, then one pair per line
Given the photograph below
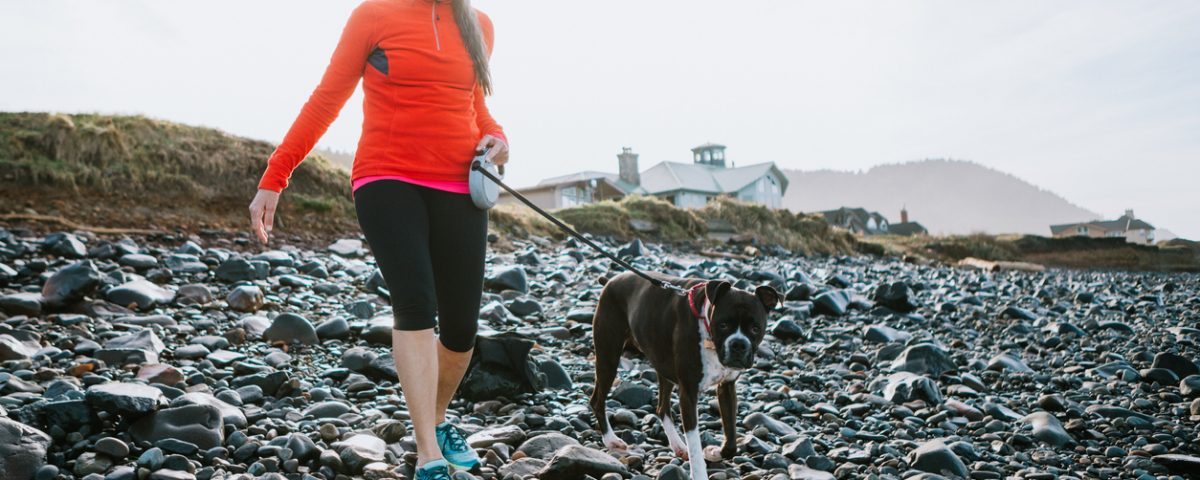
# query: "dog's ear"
x,y
768,296
714,289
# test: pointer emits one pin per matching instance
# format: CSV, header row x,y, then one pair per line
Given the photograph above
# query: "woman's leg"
x,y
395,222
457,245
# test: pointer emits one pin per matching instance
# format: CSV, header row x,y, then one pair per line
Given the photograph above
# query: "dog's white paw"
x,y
712,453
614,443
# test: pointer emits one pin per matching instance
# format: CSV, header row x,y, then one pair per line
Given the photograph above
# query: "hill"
x,y
946,196
138,172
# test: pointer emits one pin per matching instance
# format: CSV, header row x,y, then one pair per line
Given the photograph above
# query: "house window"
x,y
1081,230
573,196
707,156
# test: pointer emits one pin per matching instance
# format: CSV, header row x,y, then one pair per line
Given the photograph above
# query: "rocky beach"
x,y
179,357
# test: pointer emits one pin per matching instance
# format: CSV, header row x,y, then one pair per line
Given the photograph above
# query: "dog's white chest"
x,y
714,372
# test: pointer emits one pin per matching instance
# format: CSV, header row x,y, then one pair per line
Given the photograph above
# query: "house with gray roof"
x,y
1132,229
686,185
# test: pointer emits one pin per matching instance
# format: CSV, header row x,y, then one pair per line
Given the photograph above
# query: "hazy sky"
x,y
1096,100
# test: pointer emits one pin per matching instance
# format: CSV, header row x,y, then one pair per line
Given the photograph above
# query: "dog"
x,y
697,342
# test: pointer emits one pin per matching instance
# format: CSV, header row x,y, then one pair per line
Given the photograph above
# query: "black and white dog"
x,y
697,342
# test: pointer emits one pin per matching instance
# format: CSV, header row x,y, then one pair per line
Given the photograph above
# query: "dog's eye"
x,y
725,327
755,329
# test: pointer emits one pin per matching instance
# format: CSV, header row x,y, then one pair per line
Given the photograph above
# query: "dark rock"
x,y
240,270
291,329
1018,313
1048,429
934,457
1005,361
510,278
246,298
124,398
1179,463
22,449
23,303
759,419
230,414
903,386
833,303
556,377
334,328
1179,364
64,244
633,395
359,450
200,425
543,446
885,334
787,330
924,358
1190,386
140,295
632,249
112,447
13,349
379,331
574,461
347,247
896,296
193,294
71,284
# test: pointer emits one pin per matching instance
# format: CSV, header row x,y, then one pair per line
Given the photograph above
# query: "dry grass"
x,y
139,170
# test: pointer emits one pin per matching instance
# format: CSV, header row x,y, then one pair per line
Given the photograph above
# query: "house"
x,y
863,222
857,220
1127,226
905,227
686,185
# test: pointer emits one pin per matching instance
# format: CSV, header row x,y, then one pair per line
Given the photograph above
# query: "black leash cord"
x,y
567,228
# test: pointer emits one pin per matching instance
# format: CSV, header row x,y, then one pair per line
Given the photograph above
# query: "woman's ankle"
x,y
422,461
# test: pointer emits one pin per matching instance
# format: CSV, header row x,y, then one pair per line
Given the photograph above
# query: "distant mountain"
x,y
946,196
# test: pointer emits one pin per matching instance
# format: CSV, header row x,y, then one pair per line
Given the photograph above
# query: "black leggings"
x,y
429,245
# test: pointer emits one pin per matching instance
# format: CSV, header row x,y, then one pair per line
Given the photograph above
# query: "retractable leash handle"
x,y
479,167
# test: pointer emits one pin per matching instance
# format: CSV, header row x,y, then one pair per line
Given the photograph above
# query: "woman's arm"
x,y
341,77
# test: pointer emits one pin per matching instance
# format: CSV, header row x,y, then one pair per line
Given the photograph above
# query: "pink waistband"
x,y
443,185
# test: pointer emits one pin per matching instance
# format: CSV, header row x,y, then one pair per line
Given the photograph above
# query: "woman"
x,y
424,68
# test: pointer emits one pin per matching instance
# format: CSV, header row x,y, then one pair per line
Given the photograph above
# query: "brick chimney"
x,y
1129,213
628,171
903,215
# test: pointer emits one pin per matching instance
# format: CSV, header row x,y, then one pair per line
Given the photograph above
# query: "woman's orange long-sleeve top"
x,y
423,110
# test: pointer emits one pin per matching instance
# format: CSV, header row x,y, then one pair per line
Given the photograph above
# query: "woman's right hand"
x,y
262,213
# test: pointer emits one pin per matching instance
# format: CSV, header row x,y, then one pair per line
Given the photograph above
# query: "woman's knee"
x,y
413,312
458,337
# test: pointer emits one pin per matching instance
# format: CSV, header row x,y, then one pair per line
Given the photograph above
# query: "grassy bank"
x,y
1073,252
133,171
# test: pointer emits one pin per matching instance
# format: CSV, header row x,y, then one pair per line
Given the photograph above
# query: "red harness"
x,y
691,298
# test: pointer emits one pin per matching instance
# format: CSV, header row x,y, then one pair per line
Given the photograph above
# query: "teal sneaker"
x,y
454,447
434,470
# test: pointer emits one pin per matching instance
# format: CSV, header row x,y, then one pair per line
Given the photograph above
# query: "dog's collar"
x,y
703,316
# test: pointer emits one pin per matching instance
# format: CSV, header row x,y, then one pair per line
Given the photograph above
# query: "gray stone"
x,y
359,450
245,298
510,434
1048,429
200,425
572,462
924,358
291,329
230,414
905,386
125,398
544,445
22,449
934,457
71,284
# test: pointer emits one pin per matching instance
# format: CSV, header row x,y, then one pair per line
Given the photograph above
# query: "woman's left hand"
x,y
497,149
